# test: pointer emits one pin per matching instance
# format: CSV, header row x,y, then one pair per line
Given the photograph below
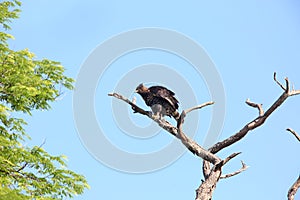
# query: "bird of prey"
x,y
160,99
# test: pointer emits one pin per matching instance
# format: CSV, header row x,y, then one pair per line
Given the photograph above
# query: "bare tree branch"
x,y
294,133
177,132
257,121
244,167
134,107
293,190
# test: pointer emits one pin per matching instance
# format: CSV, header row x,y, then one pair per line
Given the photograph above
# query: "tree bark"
x,y
206,189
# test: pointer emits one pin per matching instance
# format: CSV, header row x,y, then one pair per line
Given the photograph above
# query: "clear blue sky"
x,y
246,40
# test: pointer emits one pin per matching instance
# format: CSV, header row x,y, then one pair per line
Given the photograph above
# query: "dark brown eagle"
x,y
160,99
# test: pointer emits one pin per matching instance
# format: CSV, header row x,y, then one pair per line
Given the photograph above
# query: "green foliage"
x,y
27,84
8,12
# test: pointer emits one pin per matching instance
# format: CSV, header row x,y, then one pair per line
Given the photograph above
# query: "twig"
x,y
199,106
293,190
230,157
275,79
294,133
243,168
255,105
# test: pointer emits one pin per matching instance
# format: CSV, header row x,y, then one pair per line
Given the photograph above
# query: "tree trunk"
x,y
207,187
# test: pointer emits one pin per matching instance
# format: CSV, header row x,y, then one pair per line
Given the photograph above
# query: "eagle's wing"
x,y
166,94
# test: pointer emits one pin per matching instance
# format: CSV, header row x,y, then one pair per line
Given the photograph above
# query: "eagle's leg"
x,y
157,116
157,111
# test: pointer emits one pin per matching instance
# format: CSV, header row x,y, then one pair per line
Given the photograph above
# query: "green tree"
x,y
28,84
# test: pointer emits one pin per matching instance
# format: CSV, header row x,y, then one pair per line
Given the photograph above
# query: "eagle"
x,y
161,100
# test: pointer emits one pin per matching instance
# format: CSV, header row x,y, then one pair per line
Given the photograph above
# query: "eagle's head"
x,y
141,89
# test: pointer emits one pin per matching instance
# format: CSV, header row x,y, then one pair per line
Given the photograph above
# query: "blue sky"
x,y
246,40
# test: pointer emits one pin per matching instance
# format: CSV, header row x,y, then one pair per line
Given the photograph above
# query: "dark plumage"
x,y
160,99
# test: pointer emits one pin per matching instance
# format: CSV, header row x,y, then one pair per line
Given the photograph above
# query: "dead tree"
x,y
212,164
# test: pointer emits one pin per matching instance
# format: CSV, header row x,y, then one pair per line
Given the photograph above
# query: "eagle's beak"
x,y
136,91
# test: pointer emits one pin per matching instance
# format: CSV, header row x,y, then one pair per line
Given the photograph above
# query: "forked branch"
x,y
193,146
256,105
282,87
259,120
